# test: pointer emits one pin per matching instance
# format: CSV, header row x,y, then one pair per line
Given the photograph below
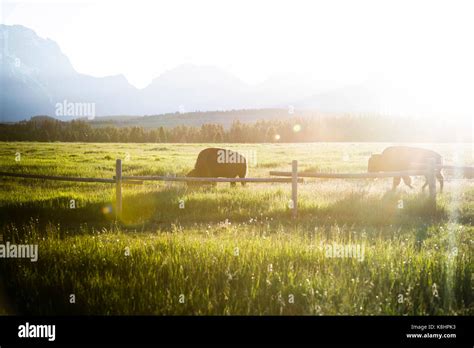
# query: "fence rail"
x,y
193,179
352,175
467,172
292,177
429,171
57,178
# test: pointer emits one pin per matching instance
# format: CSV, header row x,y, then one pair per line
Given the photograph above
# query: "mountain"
x,y
373,96
36,78
193,88
223,117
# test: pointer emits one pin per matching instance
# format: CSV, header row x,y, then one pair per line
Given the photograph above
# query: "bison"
x,y
219,163
400,158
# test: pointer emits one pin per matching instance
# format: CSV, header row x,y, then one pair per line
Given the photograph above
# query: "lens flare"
x,y
296,128
107,210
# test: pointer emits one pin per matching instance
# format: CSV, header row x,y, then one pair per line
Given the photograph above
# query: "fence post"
x,y
431,178
294,187
118,187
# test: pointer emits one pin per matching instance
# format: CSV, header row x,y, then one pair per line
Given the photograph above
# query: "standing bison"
x,y
219,163
400,158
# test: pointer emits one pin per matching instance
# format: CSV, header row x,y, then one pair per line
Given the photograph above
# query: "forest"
x,y
343,128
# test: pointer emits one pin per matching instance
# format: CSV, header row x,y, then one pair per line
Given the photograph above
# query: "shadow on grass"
x,y
18,220
390,209
179,205
161,209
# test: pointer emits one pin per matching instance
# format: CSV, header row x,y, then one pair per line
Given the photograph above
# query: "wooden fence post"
x,y
118,187
431,178
294,187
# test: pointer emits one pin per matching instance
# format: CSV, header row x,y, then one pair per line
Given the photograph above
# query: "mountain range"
x,y
36,78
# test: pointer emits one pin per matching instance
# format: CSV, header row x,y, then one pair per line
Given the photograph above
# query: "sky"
x,y
425,46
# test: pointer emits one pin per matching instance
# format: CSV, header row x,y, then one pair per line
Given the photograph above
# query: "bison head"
x,y
375,163
194,174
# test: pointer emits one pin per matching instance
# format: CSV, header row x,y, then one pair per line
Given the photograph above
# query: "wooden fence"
x,y
429,172
293,177
119,178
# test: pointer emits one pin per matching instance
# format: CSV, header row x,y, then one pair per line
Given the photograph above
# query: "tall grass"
x,y
230,251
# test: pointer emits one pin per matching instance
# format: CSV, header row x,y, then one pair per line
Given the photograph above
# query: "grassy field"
x,y
231,251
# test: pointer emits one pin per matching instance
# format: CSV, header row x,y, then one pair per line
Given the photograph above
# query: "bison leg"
x,y
232,184
207,173
440,178
425,184
396,182
407,181
241,177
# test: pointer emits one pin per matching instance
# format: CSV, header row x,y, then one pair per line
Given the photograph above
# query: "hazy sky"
x,y
424,45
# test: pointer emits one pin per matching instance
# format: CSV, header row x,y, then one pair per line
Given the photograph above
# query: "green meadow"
x,y
221,250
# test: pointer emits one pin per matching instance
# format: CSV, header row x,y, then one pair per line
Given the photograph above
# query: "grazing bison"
x,y
399,158
219,163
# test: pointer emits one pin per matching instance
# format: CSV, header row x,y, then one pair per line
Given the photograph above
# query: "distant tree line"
x,y
343,128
